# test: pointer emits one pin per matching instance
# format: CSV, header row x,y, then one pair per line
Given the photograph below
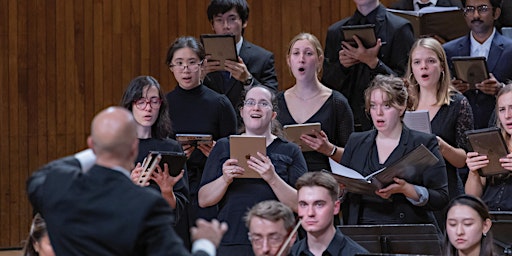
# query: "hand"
x,y
231,170
165,181
188,149
362,54
460,85
210,66
490,86
206,148
263,166
474,161
442,144
135,174
318,141
345,60
506,162
238,69
212,231
399,187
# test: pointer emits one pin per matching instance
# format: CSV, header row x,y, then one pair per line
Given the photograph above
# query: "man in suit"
x,y
350,69
255,65
101,211
416,5
318,194
270,223
483,40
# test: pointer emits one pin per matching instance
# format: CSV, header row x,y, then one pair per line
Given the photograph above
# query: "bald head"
x,y
114,135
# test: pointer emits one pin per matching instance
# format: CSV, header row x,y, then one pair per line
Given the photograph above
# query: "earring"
x,y
442,75
484,234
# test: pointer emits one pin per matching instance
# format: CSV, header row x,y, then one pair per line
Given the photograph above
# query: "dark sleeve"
x,y
298,166
213,166
35,190
435,179
157,236
333,73
401,41
344,119
227,117
464,123
268,75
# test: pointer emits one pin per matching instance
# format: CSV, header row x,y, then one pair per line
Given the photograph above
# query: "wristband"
x,y
333,150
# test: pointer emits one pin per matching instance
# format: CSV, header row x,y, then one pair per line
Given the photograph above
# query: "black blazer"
x,y
408,4
260,64
101,212
358,149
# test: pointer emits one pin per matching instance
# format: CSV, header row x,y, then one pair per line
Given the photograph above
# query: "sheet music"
x,y
418,120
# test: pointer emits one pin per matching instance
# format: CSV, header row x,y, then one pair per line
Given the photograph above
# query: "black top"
x,y
180,189
340,245
200,110
337,122
497,193
450,123
243,193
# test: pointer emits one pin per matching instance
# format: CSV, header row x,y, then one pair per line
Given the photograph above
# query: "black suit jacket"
x,y
408,4
358,152
397,34
101,212
260,64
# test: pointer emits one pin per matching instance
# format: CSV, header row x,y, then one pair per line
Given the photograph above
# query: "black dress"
x,y
202,111
180,189
450,123
337,122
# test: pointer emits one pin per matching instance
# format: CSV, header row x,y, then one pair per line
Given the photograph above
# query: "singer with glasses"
x,y
144,98
279,169
483,40
196,109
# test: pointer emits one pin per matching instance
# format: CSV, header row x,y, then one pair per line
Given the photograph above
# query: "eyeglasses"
x,y
274,240
480,9
261,104
154,102
193,66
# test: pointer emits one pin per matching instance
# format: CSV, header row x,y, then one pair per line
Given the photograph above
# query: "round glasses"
x,y
193,66
142,103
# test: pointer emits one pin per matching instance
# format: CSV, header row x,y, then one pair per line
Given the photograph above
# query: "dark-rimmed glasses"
x,y
193,66
480,9
142,103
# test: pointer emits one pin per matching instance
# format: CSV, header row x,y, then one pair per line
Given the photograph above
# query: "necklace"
x,y
306,99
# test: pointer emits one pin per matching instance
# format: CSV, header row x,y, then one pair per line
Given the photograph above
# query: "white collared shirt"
x,y
478,49
417,8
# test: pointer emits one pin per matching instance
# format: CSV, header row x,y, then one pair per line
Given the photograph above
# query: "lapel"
x,y
464,47
245,55
381,30
495,52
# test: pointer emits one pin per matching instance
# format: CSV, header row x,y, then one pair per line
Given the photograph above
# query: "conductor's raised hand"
x,y
212,231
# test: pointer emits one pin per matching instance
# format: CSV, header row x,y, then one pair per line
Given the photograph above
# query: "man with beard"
x,y
482,40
